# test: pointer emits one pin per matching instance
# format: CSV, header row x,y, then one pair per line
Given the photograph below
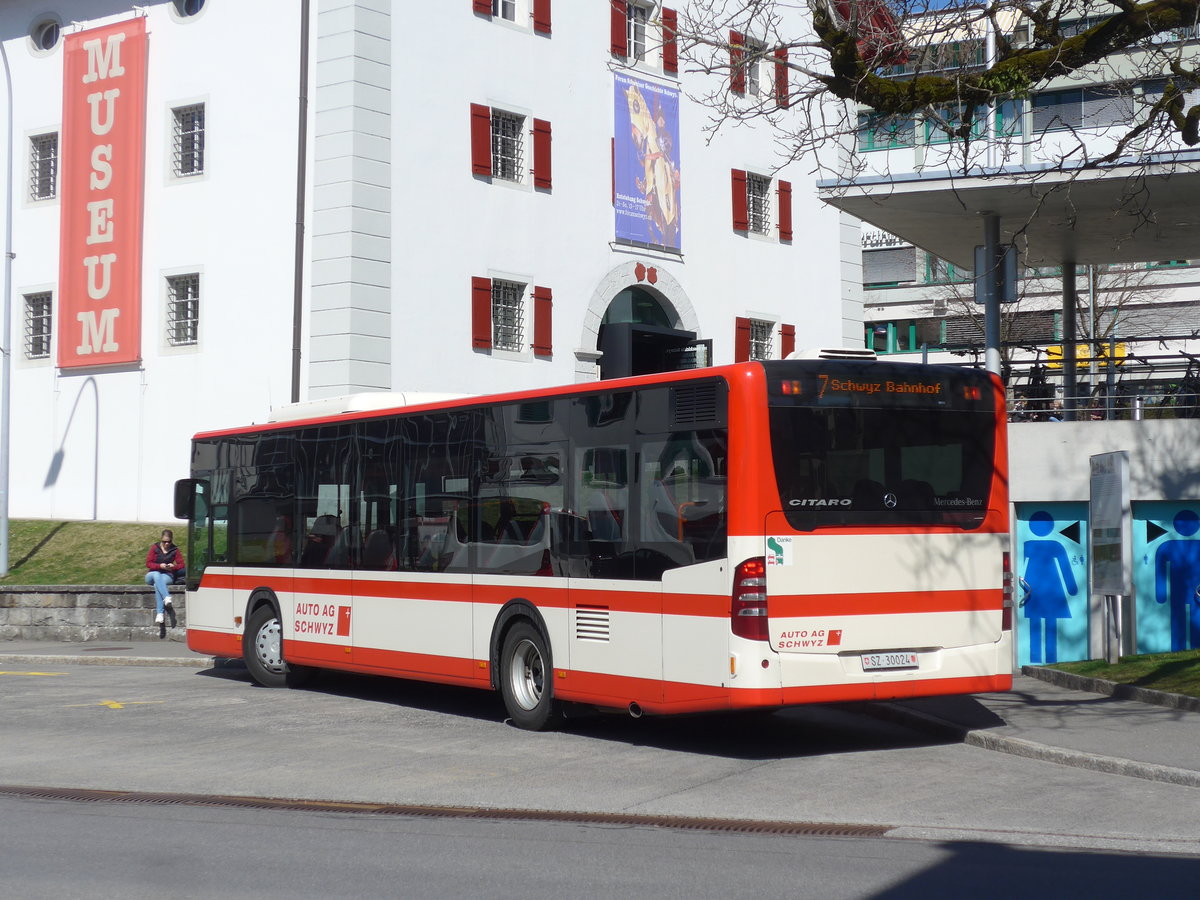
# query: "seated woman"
x,y
165,566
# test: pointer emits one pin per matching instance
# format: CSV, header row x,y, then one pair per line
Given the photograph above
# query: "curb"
x,y
986,739
185,662
1112,688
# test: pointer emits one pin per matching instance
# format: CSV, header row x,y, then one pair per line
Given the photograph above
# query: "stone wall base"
x,y
86,613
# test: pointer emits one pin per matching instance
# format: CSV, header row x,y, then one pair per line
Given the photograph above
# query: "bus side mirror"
x,y
185,490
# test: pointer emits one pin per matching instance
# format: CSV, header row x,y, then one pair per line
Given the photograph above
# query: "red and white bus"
x,y
756,535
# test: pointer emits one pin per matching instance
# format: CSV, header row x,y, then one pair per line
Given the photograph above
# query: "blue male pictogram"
x,y
1177,581
1046,583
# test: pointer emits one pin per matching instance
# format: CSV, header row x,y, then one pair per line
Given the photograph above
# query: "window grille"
x,y
43,166
508,146
38,320
183,310
760,339
508,315
189,140
758,203
505,9
636,19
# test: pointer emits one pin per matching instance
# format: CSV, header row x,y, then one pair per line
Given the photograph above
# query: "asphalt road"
x,y
56,850
382,741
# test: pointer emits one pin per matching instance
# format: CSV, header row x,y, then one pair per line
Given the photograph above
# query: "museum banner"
x,y
646,163
102,173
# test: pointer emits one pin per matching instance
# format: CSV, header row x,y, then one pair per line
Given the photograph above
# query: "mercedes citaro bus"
x,y
763,534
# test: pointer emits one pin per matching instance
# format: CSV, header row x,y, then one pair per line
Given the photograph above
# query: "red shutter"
x,y
481,139
785,210
483,7
781,78
541,154
737,68
670,48
787,340
541,16
543,311
741,216
618,39
741,341
481,313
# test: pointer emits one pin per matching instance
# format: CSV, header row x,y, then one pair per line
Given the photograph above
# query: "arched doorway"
x,y
640,334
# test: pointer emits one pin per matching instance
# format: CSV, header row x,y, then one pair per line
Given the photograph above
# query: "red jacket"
x,y
171,561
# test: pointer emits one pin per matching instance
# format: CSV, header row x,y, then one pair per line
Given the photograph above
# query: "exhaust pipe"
x,y
635,711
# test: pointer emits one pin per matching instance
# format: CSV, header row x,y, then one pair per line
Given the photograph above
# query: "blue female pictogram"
x,y
1045,585
1177,581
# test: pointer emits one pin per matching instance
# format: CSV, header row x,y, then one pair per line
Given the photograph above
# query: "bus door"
x,y
614,616
211,604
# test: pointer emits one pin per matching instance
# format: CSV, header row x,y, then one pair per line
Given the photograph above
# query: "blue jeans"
x,y
161,581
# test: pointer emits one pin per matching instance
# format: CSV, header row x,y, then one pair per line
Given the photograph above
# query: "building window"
x,y
637,19
188,140
38,319
508,315
183,310
508,146
752,204
756,56
188,8
43,166
761,344
906,335
877,132
505,9
758,203
1081,108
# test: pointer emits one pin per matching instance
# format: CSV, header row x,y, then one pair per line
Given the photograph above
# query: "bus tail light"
x,y
748,612
1006,618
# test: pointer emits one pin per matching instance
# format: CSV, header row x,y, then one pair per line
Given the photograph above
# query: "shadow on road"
x,y
796,732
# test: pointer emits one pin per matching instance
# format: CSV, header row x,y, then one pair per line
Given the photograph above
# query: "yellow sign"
x,y
1083,355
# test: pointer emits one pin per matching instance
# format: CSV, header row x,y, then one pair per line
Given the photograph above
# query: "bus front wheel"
x,y
525,677
262,650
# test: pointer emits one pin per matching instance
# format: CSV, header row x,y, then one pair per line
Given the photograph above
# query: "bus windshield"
x,y
874,459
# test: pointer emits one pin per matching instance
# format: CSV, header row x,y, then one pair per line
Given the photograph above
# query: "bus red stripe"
x,y
876,604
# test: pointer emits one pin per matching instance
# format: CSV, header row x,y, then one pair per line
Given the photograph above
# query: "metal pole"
x,y
6,349
991,328
1093,347
1069,337
301,177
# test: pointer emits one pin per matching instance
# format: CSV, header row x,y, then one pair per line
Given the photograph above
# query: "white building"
x,y
470,221
1138,287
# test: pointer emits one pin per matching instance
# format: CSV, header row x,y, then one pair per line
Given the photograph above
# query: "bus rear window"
x,y
890,466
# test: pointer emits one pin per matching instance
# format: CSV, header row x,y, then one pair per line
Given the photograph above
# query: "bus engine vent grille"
x,y
591,623
695,404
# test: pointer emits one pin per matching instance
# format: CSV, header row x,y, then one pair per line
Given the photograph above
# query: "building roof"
x,y
1143,209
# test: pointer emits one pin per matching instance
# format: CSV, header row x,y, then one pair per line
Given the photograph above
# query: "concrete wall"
x,y
86,613
1048,461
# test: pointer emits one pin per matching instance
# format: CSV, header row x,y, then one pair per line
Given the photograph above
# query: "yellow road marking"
x,y
116,704
41,674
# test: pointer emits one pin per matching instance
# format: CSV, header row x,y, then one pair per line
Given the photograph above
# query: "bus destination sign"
x,y
875,385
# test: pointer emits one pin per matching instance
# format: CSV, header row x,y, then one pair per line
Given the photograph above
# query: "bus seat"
x,y
377,553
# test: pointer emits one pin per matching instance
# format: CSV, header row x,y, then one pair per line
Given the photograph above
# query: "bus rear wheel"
x,y
262,650
525,678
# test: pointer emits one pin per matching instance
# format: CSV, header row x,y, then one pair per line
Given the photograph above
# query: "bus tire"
x,y
525,677
262,651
